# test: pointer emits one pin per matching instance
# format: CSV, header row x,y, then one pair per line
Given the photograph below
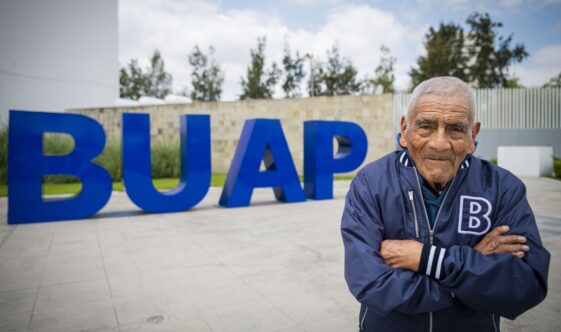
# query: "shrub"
x,y
557,168
110,159
165,160
165,157
58,144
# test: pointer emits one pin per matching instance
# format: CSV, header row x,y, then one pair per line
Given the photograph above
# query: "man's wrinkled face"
x,y
438,137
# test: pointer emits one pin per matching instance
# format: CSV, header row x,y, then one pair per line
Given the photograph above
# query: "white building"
x,y
58,54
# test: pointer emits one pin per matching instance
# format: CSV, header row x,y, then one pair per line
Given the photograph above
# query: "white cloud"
x,y
544,64
314,2
359,31
174,27
548,55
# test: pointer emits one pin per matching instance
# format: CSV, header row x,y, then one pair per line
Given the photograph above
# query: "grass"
x,y
217,180
557,169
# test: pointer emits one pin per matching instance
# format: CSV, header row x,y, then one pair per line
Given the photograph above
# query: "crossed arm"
x,y
486,277
406,254
498,275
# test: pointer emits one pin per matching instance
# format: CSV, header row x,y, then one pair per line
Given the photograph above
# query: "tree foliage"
x,y
338,76
206,76
481,56
158,81
445,54
383,74
154,81
513,82
259,83
293,72
491,62
315,85
554,82
131,81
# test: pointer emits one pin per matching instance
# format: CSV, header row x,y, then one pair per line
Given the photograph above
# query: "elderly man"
x,y
435,238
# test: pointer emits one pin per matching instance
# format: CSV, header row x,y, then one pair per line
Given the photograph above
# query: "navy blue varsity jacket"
x,y
457,288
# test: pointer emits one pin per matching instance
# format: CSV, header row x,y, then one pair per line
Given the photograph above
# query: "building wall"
x,y
373,113
490,139
58,54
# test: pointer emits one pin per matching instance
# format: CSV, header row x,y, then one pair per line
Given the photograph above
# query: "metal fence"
x,y
531,108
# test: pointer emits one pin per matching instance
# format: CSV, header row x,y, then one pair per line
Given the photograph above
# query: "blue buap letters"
x,y
27,165
137,167
319,162
262,140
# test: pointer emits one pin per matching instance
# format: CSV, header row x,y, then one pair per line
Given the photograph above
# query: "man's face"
x,y
439,137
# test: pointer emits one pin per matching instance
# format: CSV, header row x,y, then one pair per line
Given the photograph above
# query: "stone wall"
x,y
373,113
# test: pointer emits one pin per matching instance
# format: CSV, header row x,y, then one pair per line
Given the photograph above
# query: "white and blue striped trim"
x,y
405,160
435,261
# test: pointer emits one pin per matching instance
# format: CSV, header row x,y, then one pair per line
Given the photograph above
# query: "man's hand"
x,y
402,254
496,242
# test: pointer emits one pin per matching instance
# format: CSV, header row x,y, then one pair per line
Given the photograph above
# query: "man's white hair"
x,y
443,86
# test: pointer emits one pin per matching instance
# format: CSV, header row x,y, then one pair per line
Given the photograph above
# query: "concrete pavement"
x,y
270,267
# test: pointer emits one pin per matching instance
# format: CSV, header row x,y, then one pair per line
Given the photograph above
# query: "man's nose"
x,y
440,140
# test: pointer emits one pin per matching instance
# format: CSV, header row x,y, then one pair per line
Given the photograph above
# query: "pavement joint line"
x,y
12,229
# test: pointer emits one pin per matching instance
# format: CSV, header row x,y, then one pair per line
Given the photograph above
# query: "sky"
x,y
313,26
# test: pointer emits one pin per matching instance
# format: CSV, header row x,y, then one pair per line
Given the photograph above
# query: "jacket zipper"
x,y
430,321
414,214
431,230
362,320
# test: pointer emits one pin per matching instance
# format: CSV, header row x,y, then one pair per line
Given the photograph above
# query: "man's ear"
x,y
403,128
474,132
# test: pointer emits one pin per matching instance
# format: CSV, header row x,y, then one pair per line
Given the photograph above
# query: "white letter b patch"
x,y
474,215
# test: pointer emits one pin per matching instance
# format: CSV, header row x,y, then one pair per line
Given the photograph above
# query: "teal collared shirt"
x,y
432,202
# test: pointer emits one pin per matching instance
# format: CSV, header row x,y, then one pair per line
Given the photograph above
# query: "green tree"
x,y
339,75
132,81
206,76
259,83
158,81
383,75
315,80
293,73
492,54
513,82
445,54
554,82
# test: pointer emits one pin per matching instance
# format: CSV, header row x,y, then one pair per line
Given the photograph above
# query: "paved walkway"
x,y
271,267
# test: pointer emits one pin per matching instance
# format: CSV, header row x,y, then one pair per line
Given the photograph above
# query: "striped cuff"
x,y
432,258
